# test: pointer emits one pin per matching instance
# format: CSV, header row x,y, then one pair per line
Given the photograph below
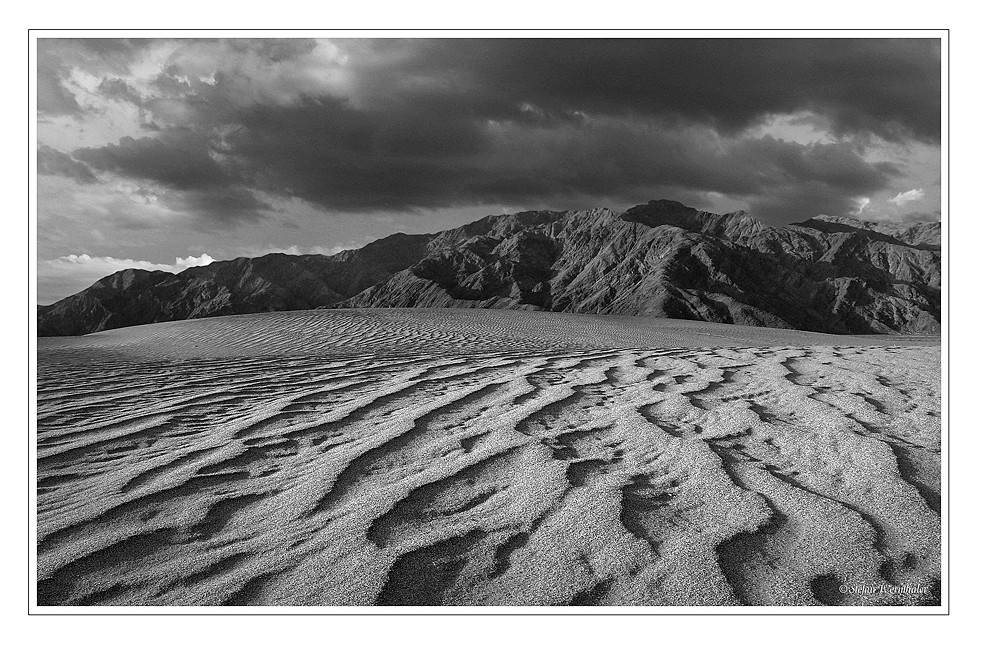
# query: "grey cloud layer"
x,y
53,162
436,123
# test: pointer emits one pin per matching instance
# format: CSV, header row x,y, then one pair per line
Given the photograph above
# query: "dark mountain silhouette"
x,y
661,259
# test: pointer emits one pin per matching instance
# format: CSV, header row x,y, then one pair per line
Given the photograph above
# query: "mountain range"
x,y
660,259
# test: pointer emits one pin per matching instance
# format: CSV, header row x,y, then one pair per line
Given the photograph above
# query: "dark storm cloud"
x,y
627,161
347,159
178,159
53,162
437,123
350,160
187,172
219,207
887,87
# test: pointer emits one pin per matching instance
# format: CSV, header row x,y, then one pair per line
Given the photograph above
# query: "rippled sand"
x,y
429,457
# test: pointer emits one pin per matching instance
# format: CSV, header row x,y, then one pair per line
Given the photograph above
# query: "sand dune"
x,y
430,457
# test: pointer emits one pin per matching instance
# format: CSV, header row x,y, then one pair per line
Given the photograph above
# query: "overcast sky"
x,y
163,154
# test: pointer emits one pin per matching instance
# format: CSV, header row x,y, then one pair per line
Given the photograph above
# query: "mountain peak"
x,y
670,212
125,279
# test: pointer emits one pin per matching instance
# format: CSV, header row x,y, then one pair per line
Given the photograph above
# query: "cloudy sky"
x,y
163,154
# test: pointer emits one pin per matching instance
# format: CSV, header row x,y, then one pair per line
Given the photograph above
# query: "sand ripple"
x,y
528,467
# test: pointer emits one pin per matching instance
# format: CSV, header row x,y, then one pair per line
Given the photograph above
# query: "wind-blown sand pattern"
x,y
432,457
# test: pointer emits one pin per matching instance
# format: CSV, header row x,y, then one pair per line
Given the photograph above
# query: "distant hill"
x,y
269,283
662,259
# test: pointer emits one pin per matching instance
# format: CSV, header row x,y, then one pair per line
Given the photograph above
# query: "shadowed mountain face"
x,y
662,259
667,260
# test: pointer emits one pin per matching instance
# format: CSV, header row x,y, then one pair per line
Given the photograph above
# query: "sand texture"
x,y
472,457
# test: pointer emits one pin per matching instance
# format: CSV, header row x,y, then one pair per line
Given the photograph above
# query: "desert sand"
x,y
476,457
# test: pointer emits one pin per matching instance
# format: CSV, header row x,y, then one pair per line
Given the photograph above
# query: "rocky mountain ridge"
x,y
659,259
